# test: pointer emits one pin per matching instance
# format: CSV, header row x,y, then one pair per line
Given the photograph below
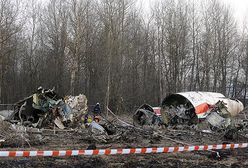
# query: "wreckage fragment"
x,y
201,102
78,103
46,107
194,107
79,107
146,115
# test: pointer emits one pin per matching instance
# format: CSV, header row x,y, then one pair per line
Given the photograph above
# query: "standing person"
x,y
97,112
97,109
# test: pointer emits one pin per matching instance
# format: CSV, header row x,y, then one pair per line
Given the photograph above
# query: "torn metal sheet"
x,y
78,105
46,108
192,107
146,115
97,128
215,119
200,102
59,123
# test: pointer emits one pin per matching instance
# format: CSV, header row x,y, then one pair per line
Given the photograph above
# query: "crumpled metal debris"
x,y
181,114
219,117
215,120
46,108
145,115
77,103
193,108
98,132
205,110
96,128
79,107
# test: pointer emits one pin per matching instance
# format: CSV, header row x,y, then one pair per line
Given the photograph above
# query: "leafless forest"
x,y
114,53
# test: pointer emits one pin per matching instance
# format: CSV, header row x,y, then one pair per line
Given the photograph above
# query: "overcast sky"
x,y
239,8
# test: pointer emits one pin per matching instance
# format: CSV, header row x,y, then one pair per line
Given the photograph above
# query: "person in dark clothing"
x,y
97,112
97,109
86,116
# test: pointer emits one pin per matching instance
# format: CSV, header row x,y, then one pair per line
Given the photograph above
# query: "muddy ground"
x,y
237,158
79,139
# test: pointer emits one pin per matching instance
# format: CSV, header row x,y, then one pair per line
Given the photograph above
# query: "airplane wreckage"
x,y
185,108
45,107
206,110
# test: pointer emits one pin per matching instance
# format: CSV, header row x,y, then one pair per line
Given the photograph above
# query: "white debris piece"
x,y
5,114
59,123
78,103
215,120
96,128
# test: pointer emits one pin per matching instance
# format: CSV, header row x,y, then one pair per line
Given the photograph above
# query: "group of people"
x,y
95,116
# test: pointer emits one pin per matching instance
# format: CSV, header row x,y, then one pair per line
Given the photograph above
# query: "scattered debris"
x,y
46,107
198,108
192,118
205,111
17,136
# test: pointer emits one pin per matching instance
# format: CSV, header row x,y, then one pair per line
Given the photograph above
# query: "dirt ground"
x,y
233,158
61,140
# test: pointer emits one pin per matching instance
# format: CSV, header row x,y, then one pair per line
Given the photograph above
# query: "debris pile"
x,y
46,118
116,131
205,111
46,108
78,105
199,109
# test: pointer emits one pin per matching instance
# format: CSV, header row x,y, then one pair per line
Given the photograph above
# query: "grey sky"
x,y
239,8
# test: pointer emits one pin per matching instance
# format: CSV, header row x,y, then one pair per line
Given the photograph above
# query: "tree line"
x,y
118,54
